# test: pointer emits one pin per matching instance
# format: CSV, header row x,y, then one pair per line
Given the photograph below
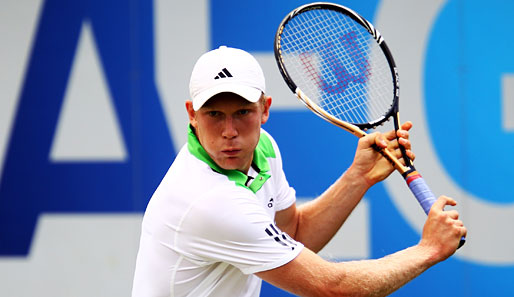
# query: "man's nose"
x,y
229,130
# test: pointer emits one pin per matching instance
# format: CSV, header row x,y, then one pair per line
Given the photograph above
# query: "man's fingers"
x,y
403,132
459,223
406,126
375,138
442,202
453,214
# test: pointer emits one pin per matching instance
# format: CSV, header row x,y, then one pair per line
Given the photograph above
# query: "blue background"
x,y
465,56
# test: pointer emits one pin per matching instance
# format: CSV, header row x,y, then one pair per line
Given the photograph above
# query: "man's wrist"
x,y
357,178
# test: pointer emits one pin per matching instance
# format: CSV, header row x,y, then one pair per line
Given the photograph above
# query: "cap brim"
x,y
249,93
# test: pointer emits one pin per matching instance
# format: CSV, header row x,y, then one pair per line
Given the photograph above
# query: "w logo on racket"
x,y
329,72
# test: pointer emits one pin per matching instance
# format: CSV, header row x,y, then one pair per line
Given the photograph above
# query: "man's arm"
x,y
317,221
309,275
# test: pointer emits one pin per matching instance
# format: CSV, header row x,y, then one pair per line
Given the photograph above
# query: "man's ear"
x,y
266,106
191,113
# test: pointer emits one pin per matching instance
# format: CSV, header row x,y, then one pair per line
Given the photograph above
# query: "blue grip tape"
x,y
420,189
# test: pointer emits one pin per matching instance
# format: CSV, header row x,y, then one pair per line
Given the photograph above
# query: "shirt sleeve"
x,y
233,228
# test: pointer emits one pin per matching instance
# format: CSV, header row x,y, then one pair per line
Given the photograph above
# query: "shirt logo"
x,y
280,237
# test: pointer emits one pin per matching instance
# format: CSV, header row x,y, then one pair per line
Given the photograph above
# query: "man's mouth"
x,y
231,152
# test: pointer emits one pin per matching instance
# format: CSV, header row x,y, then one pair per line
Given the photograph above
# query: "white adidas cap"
x,y
226,69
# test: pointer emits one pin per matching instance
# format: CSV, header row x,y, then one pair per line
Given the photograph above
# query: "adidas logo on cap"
x,y
224,73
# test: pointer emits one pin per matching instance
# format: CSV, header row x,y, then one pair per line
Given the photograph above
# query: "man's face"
x,y
228,128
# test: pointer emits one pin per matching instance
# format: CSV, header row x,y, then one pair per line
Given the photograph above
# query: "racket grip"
x,y
423,194
421,191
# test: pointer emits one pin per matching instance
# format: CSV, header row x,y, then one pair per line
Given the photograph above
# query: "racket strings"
x,y
338,64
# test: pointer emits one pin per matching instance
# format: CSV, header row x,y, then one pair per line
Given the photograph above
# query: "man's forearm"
x,y
309,275
383,276
320,219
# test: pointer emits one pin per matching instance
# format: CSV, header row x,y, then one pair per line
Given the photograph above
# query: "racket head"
x,y
338,64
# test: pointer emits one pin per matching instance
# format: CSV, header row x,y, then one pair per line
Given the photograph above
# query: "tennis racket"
x,y
340,67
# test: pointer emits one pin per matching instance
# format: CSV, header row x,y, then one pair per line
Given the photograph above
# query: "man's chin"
x,y
234,163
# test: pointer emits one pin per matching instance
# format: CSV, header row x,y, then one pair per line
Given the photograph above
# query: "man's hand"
x,y
443,230
369,164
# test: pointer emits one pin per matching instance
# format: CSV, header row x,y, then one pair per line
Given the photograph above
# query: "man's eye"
x,y
244,111
214,113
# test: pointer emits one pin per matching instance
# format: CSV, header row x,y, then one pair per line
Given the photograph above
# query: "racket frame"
x,y
357,129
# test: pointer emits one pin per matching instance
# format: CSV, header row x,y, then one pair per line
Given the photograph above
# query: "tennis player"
x,y
224,217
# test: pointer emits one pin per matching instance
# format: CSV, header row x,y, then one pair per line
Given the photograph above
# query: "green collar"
x,y
263,151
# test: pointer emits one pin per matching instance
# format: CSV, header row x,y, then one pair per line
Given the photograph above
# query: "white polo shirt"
x,y
207,230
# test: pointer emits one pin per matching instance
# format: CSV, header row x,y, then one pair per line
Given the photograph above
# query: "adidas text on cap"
x,y
226,69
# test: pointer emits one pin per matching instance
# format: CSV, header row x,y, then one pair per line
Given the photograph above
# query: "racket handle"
x,y
422,192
